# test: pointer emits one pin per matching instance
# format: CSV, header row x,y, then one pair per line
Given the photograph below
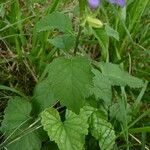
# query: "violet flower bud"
x,y
94,3
119,2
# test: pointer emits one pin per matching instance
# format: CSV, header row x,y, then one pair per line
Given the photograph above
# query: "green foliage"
x,y
55,20
64,42
70,134
136,12
16,113
111,32
119,77
84,99
43,97
29,141
116,112
69,79
102,131
99,127
16,119
103,40
102,87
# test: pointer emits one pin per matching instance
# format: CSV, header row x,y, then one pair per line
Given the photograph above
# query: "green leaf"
x,y
43,97
62,23
102,87
16,119
86,112
64,42
120,113
111,32
100,128
27,142
16,113
103,39
119,77
70,80
70,134
102,131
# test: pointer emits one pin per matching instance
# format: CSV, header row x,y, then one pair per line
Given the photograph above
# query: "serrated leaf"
x,y
16,118
70,134
103,131
43,97
102,87
111,32
64,42
17,112
62,23
119,77
70,80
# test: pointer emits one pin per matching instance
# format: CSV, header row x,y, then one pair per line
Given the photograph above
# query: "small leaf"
x,y
55,20
64,42
102,87
102,131
119,77
70,80
111,32
70,134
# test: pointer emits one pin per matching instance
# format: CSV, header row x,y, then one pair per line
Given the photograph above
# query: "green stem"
x,y
77,40
82,9
49,11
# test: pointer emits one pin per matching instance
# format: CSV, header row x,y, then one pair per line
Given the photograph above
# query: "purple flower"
x,y
94,3
119,2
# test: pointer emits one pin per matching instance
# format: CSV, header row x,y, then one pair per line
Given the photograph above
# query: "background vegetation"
x,y
74,78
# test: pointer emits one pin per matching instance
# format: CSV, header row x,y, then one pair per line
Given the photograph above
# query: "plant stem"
x,y
49,11
77,39
81,9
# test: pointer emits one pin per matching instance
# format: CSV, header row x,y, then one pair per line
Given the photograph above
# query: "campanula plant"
x,y
69,74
